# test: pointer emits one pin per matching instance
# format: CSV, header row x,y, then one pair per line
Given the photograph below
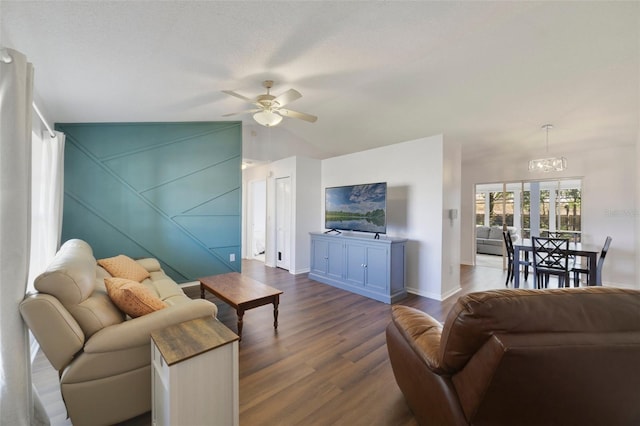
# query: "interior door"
x,y
283,222
258,219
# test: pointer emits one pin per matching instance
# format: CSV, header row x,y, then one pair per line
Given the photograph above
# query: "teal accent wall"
x,y
166,190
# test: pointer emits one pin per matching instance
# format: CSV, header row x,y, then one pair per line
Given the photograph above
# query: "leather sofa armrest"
x,y
56,331
430,395
150,264
422,332
137,331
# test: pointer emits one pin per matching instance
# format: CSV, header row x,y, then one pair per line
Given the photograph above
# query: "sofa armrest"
x,y
430,395
137,331
57,332
421,331
150,264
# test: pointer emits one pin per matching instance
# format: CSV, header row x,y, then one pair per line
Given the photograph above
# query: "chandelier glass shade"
x,y
550,164
553,164
267,118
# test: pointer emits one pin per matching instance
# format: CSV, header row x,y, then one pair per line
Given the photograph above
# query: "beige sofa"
x,y
102,355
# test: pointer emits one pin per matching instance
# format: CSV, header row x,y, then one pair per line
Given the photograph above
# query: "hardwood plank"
x,y
326,364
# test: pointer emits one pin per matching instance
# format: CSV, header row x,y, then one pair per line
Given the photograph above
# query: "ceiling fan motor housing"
x,y
267,101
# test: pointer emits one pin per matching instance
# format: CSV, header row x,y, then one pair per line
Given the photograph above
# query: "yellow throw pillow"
x,y
132,298
122,266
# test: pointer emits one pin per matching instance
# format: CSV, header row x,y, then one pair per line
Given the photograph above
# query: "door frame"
x,y
283,215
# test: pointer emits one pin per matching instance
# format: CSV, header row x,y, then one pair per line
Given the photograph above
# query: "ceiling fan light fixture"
x,y
270,109
267,118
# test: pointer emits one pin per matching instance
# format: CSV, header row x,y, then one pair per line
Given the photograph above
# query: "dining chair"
x,y
577,270
550,257
511,267
573,239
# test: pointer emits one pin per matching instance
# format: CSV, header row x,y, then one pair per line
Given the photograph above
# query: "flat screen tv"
x,y
361,208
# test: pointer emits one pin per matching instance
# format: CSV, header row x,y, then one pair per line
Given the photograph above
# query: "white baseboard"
x,y
434,296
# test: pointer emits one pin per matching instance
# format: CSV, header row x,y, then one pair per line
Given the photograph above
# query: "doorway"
x,y
283,222
258,219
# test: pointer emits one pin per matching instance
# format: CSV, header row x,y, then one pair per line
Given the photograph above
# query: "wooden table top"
x,y
238,288
182,341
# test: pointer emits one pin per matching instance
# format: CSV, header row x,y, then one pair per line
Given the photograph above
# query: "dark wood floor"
x,y
327,363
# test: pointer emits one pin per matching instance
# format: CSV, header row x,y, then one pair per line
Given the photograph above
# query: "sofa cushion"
x,y
132,297
495,243
71,278
122,266
70,275
163,286
482,231
495,233
477,316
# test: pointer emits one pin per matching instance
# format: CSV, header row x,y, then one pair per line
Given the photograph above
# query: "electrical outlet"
x,y
232,257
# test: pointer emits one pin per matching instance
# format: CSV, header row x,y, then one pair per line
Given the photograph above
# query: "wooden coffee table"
x,y
242,293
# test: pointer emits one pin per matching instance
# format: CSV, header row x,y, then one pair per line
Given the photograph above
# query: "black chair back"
x,y
571,236
510,267
508,243
603,254
550,257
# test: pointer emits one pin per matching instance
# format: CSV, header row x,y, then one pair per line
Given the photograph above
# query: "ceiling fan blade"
x,y
288,96
295,114
243,112
238,95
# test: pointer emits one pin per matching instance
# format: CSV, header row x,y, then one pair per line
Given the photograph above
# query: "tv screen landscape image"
x,y
361,208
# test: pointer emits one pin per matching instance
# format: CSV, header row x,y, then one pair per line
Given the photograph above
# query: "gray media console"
x,y
361,264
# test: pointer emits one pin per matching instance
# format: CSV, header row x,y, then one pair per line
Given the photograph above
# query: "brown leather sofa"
x,y
103,357
522,357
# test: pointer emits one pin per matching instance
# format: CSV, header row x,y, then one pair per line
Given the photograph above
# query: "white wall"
x,y
415,175
451,227
608,201
307,210
265,144
305,202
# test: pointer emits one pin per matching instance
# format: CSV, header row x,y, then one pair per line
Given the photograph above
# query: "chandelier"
x,y
551,164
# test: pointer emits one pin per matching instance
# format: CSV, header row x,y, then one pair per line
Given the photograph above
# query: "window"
x,y
480,207
556,207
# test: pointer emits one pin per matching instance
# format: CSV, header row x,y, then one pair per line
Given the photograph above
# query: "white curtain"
x,y
47,196
16,91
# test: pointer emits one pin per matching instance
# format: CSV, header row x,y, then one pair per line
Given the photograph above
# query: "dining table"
x,y
524,247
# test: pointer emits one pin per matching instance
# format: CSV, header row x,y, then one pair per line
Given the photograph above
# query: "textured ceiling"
x,y
485,74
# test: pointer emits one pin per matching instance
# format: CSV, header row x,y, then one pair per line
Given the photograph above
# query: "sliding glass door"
x,y
552,206
525,208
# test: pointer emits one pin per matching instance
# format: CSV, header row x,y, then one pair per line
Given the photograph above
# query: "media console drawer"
x,y
370,267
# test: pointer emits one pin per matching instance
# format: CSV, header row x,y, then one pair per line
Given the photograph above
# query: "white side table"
x,y
195,374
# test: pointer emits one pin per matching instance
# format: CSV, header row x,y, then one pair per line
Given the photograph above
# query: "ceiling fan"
x,y
269,111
